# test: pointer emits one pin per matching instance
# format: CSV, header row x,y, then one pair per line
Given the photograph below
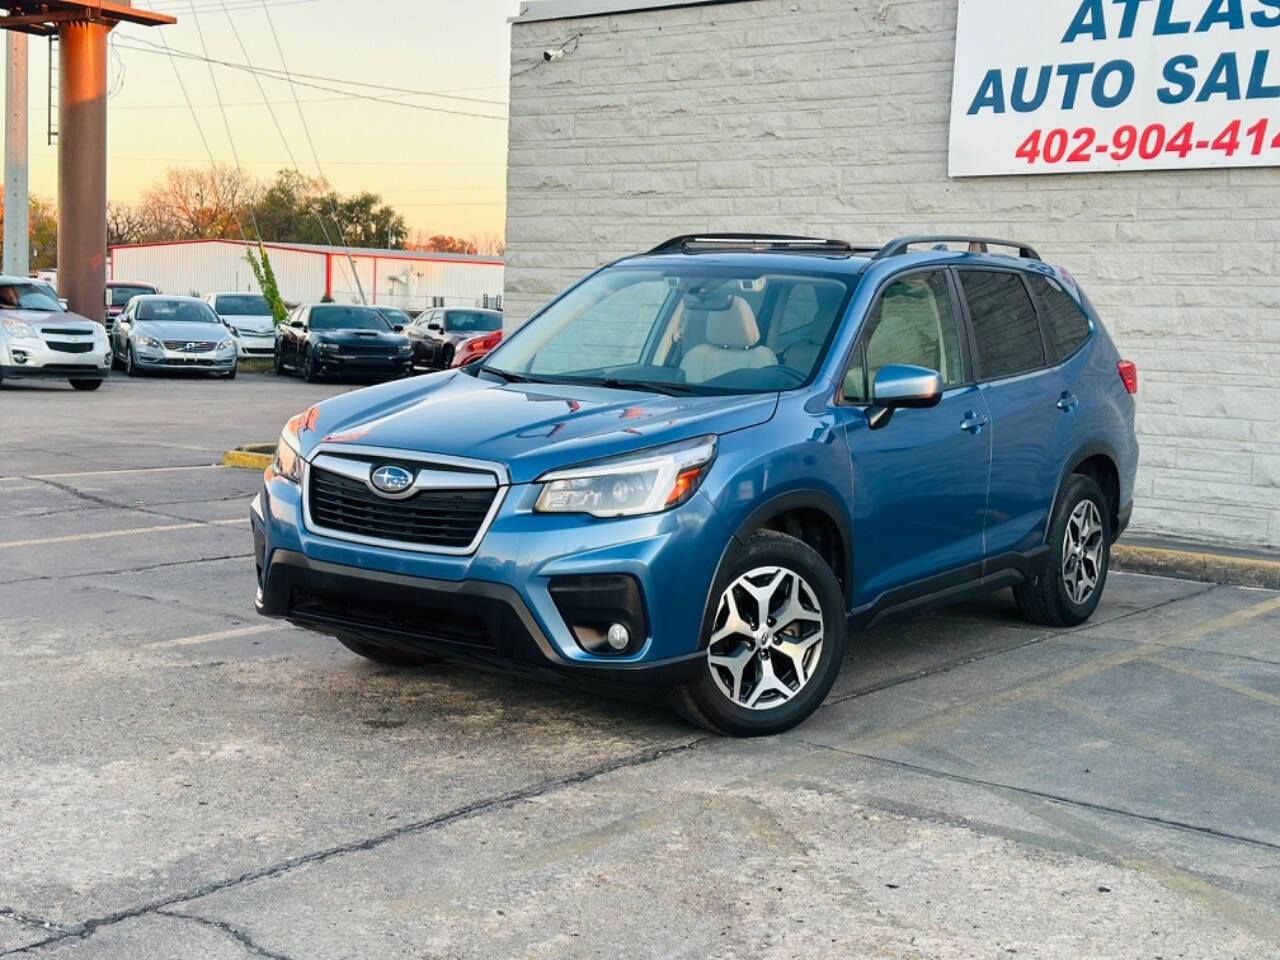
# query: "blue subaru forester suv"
x,y
701,467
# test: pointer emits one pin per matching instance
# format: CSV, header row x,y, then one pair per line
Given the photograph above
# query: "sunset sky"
x,y
444,172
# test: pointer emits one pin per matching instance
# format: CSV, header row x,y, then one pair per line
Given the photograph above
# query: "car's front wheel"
x,y
310,367
391,656
131,367
1070,588
775,641
85,384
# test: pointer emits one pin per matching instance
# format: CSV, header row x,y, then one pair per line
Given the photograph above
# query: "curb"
x,y
1190,565
251,456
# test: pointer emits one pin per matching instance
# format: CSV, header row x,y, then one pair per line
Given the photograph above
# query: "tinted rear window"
x,y
242,305
1004,323
1064,322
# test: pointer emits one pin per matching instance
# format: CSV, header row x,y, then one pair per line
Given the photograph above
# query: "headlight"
x,y
288,459
406,348
149,342
227,345
20,329
234,331
327,347
646,482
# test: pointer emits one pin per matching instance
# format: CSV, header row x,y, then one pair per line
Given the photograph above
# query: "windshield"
x,y
243,305
27,296
395,316
472,321
120,296
347,318
176,311
693,328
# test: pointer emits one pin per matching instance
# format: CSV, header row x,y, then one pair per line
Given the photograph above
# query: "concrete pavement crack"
x,y
1052,797
87,928
234,932
115,505
28,920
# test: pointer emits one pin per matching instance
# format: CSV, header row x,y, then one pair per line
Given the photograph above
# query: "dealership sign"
x,y
1074,86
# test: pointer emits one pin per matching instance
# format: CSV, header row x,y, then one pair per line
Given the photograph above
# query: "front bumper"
x,y
495,605
26,359
355,365
163,359
255,346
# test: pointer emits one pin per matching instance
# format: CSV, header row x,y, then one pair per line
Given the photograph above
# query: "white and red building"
x,y
408,279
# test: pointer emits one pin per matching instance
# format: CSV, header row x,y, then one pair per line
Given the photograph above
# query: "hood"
x,y
182,330
530,427
353,337
252,324
46,320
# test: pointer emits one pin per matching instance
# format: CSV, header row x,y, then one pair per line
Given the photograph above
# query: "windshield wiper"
x,y
670,389
508,375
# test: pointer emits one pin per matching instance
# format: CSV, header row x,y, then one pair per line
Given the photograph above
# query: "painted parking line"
x,y
113,473
107,534
231,634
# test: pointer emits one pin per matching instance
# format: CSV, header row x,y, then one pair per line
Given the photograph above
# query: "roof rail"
x,y
895,248
703,242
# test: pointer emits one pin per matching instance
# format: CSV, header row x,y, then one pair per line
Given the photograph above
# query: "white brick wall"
x,y
830,117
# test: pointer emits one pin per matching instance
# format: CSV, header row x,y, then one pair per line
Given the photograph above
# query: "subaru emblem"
x,y
391,480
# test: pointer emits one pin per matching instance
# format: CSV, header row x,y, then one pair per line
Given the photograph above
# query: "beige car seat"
x,y
733,343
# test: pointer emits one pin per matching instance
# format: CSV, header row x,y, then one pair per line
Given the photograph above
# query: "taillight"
x,y
1128,374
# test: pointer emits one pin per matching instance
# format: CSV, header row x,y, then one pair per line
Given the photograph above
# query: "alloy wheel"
x,y
766,639
1082,545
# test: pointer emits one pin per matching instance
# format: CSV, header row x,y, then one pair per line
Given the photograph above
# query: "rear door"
x,y
919,483
1022,391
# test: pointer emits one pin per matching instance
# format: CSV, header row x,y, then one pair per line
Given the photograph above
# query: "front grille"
x,y
366,350
431,518
71,347
62,332
189,346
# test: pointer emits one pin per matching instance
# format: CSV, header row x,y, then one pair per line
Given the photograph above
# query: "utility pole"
x,y
17,234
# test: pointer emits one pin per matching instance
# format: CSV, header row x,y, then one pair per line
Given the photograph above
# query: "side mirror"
x,y
899,386
62,302
398,327
435,328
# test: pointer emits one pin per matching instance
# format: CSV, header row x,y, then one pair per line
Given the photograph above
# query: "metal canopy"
x,y
44,17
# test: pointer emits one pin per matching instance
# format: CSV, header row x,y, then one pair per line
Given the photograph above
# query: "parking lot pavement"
x,y
181,779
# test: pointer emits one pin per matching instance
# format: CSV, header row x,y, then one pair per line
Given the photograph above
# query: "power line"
x,y
342,234
146,46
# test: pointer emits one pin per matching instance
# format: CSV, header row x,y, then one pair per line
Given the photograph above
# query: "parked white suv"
x,y
40,339
249,319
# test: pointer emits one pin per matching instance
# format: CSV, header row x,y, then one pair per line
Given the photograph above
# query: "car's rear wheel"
x,y
390,656
1070,588
775,642
85,384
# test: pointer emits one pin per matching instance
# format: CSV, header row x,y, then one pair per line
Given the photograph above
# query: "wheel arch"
x,y
1099,462
811,512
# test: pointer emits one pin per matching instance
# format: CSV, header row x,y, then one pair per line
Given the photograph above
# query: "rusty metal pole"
x,y
82,167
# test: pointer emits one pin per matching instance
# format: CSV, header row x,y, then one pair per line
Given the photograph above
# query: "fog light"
x,y
19,356
618,637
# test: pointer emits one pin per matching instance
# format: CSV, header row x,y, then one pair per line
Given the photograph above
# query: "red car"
x,y
475,348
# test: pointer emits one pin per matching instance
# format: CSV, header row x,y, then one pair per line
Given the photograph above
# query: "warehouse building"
x,y
636,120
408,279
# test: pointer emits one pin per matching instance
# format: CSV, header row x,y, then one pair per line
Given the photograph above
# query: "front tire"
x,y
774,644
310,369
446,358
131,367
85,384
1070,588
390,656
278,361
230,374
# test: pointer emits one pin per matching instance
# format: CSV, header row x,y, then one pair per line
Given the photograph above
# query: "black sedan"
x,y
437,332
331,339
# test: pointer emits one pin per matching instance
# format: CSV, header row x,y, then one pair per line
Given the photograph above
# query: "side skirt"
x,y
944,589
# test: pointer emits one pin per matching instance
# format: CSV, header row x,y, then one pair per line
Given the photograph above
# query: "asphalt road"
x,y
181,780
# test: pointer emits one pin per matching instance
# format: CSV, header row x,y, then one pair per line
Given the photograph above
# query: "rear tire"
x,y
1070,588
85,384
390,656
774,644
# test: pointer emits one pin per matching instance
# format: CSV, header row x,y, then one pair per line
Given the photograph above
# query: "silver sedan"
x,y
173,333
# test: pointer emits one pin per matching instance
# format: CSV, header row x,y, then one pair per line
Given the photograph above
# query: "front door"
x,y
919,483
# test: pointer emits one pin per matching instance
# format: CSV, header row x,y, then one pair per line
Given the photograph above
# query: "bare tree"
x,y
203,203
